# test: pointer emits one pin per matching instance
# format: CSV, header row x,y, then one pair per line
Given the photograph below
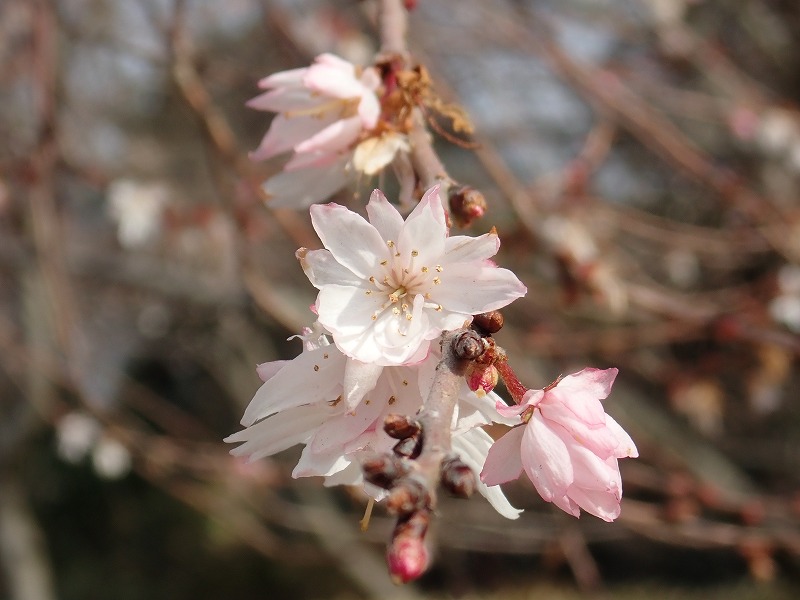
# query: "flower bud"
x,y
458,478
383,470
488,322
468,345
482,378
466,205
407,497
400,427
408,558
409,447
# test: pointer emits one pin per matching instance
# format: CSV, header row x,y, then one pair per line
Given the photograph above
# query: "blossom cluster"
x,y
329,115
388,287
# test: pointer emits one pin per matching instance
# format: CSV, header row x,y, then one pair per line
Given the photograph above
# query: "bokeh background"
x,y
641,159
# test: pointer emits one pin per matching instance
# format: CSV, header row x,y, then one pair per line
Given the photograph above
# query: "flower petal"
x,y
463,248
504,462
314,376
304,187
472,447
425,230
383,216
322,269
472,289
546,459
279,432
284,134
338,228
335,137
359,379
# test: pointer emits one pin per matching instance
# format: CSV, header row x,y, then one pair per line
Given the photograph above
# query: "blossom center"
x,y
400,280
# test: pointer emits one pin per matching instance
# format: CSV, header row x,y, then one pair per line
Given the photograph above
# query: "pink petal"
x,y
597,503
338,228
473,447
383,216
337,136
581,392
284,100
625,446
290,78
284,134
504,462
598,438
546,459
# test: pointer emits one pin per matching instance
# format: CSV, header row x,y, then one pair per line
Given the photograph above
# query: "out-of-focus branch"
x,y
23,556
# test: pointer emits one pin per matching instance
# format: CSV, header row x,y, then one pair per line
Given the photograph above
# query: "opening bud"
x,y
466,205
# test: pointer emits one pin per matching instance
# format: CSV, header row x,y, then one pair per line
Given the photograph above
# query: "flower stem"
x,y
513,384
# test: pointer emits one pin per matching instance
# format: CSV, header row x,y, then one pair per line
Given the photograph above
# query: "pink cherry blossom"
x,y
388,286
568,446
325,112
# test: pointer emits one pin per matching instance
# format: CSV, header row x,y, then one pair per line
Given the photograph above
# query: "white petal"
x,y
279,432
309,378
304,187
626,448
284,99
472,447
463,248
472,289
319,464
425,231
339,229
322,269
384,217
359,379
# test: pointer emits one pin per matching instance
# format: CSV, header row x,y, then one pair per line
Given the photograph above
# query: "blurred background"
x,y
641,160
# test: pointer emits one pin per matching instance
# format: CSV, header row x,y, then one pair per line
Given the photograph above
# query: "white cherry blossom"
x,y
388,286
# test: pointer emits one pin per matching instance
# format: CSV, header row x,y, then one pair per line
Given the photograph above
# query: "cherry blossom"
x,y
302,402
388,287
327,115
568,446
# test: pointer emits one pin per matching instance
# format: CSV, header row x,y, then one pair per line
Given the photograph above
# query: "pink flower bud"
x,y
408,558
480,377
